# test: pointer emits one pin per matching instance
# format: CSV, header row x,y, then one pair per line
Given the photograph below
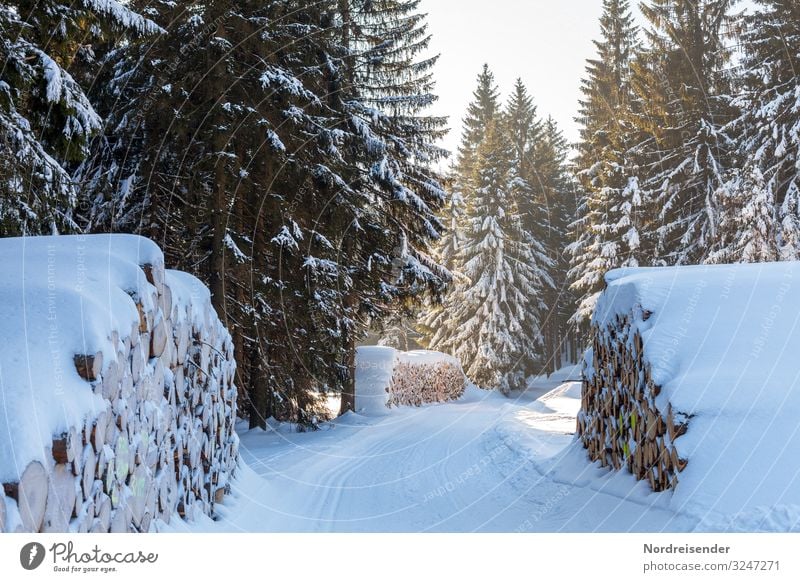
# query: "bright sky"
x,y
545,42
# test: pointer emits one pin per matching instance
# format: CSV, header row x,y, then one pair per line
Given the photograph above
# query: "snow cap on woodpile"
x,y
61,296
117,394
386,377
722,342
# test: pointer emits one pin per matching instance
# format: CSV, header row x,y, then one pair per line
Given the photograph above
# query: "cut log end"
x,y
31,496
619,424
158,339
219,496
2,513
89,367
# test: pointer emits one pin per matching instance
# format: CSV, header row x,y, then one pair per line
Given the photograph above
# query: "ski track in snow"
x,y
483,464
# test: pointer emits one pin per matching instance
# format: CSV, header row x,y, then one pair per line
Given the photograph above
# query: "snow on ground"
x,y
569,373
723,343
485,463
537,386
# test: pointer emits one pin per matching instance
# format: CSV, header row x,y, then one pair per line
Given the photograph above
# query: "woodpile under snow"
x,y
424,377
620,423
387,378
121,412
691,383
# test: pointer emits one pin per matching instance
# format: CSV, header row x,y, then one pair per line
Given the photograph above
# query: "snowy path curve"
x,y
485,463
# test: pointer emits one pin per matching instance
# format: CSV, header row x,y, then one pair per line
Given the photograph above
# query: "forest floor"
x,y
485,463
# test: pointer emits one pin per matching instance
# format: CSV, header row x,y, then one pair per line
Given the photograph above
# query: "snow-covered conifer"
x,y
496,309
607,228
46,117
768,127
683,81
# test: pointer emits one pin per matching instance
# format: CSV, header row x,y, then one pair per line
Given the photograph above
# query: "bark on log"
x,y
155,276
61,449
89,367
98,434
619,423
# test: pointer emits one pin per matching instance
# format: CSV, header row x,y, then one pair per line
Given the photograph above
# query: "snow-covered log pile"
x,y
620,423
692,378
387,378
424,377
118,397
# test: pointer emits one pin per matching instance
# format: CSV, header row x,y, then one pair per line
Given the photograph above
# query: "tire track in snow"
x,y
498,474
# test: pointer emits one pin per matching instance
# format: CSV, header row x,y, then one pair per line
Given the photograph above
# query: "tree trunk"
x,y
349,387
218,218
349,362
258,389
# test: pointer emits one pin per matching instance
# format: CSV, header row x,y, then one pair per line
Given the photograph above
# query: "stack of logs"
x,y
418,383
163,445
619,422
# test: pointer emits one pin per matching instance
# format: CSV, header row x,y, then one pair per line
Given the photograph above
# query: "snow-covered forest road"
x,y
484,463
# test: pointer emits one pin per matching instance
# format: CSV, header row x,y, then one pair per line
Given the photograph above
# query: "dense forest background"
x,y
282,152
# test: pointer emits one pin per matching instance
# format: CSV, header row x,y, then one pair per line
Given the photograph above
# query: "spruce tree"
x,y
46,118
608,229
293,175
386,244
746,229
482,111
769,105
236,183
683,83
555,195
438,325
544,197
497,308
434,320
525,131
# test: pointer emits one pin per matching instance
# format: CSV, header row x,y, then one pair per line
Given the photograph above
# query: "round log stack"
x,y
619,423
162,444
417,383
